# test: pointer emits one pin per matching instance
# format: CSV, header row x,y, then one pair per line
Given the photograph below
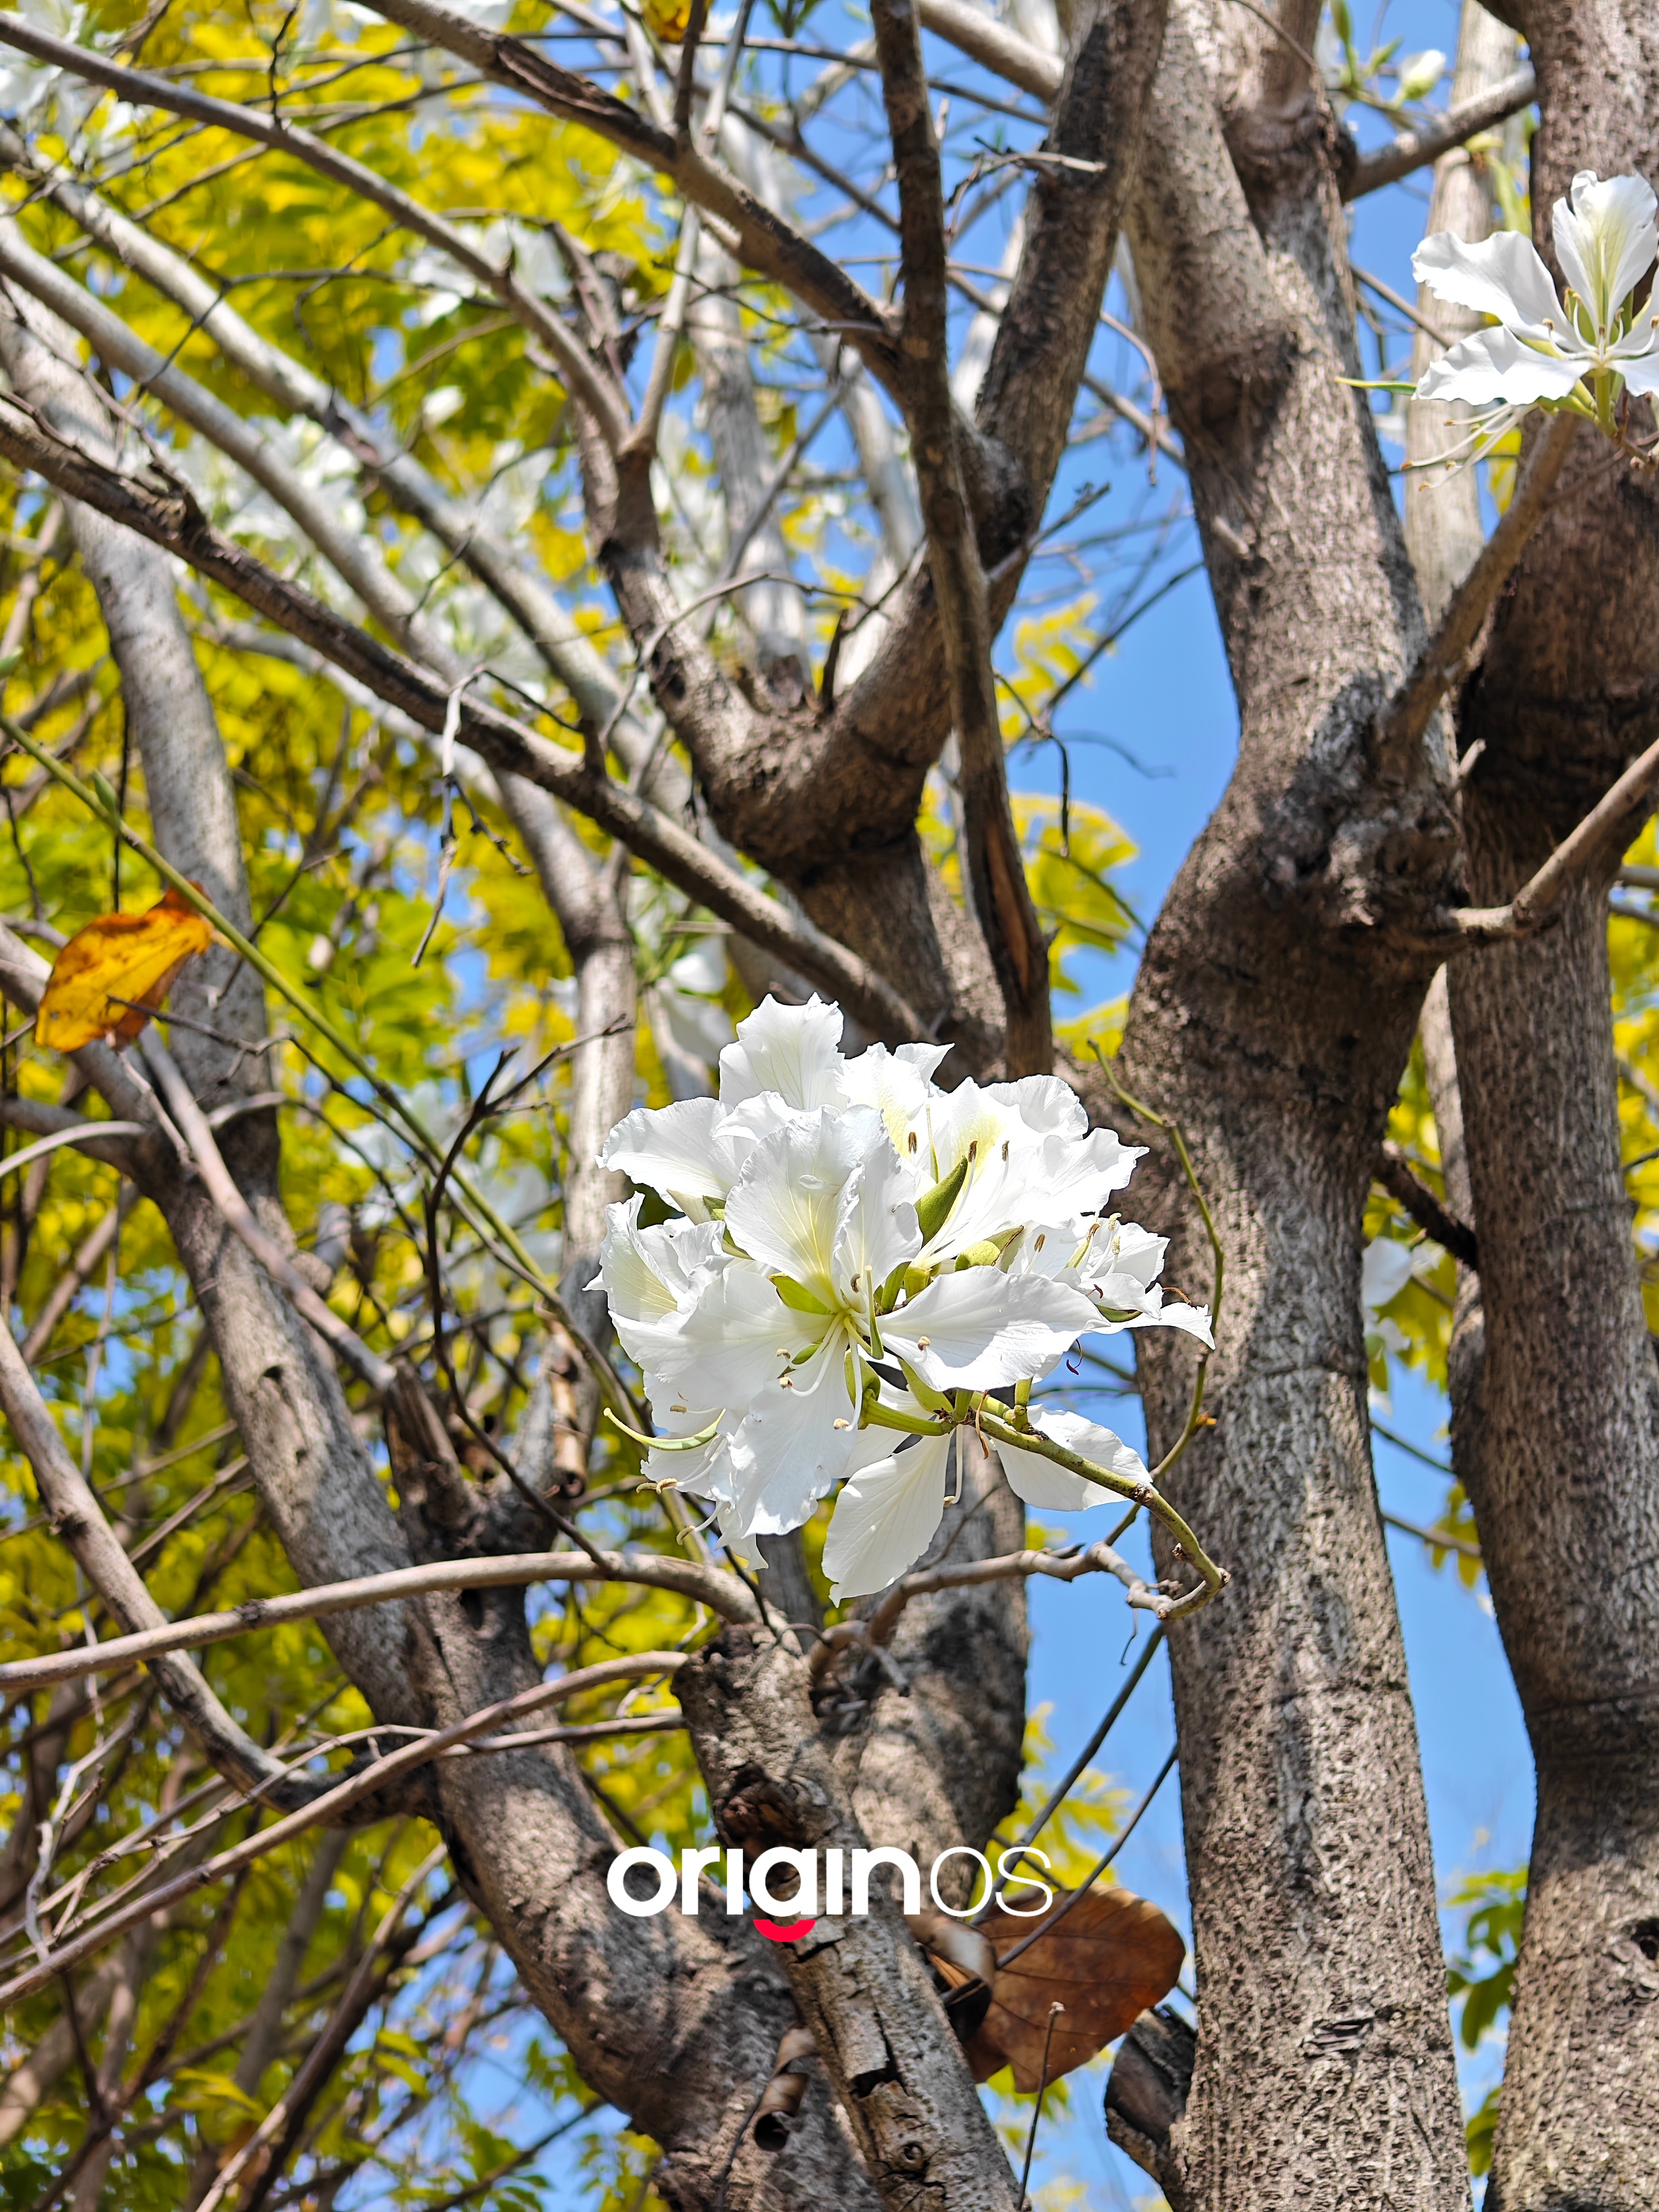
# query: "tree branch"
x,y
237,1215
1415,149
760,237
975,31
332,1805
171,520
879,1627
143,89
1609,827
75,1515
1394,1172
1400,725
723,1595
995,870
564,648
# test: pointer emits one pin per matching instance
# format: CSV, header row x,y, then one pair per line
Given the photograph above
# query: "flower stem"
x,y
1196,1415
1215,1579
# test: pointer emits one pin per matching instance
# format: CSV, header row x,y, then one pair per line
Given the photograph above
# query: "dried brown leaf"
x,y
1111,1956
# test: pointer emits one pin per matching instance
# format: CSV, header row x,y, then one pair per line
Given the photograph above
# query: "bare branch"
x,y
1395,1173
879,1627
1002,899
759,236
976,33
237,1215
171,520
1607,828
1402,722
76,1516
723,1595
334,1803
281,2124
1415,149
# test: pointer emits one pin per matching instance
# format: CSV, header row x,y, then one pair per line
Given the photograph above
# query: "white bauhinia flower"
x,y
855,1254
886,1517
1577,355
1116,1265
888,1513
1054,1489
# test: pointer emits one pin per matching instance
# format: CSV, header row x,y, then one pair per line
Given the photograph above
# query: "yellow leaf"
x,y
118,958
669,19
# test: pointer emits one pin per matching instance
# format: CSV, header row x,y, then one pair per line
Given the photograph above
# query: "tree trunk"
x,y
1555,1420
1324,2050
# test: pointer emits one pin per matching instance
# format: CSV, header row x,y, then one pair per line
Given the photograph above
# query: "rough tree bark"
x,y
1555,1413
1324,2050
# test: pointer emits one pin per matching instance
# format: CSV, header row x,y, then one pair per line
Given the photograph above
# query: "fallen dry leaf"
x,y
1109,1957
118,956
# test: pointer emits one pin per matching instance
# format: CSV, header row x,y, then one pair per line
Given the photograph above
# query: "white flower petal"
x,y
898,1084
793,1050
651,1278
1195,1320
886,1518
1385,1271
978,1329
679,1151
1605,239
1495,365
881,1231
707,1474
788,1452
1503,276
797,1190
1056,1489
731,1342
1045,1104
1048,1249
648,1273
1643,376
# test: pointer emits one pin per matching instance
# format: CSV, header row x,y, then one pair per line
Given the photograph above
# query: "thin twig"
x,y
722,1594
1052,1921
367,1782
1054,2011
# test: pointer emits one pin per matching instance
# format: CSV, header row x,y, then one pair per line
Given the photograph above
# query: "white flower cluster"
x,y
857,1251
1539,351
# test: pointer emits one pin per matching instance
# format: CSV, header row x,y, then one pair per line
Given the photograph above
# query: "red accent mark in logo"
x,y
784,1931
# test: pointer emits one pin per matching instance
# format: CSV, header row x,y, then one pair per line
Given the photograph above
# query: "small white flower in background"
x,y
1579,356
1419,74
854,1246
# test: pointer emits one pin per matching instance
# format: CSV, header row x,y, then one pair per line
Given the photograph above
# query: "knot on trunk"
x,y
760,1812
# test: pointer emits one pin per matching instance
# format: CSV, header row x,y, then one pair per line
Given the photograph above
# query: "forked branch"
x,y
1002,900
1402,722
170,518
1609,826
